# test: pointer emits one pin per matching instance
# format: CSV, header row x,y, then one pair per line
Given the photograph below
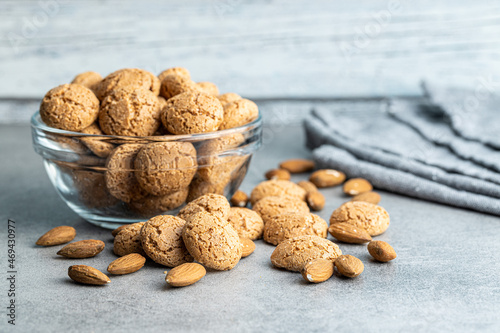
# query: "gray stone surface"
x,y
446,276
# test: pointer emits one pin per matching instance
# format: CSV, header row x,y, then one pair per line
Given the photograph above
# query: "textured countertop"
x,y
446,276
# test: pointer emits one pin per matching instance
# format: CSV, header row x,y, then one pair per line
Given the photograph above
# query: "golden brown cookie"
x,y
132,78
228,98
200,187
70,107
208,88
154,205
290,225
212,241
120,175
269,207
92,190
128,240
97,145
174,70
192,112
246,222
173,85
214,204
277,188
374,219
292,254
88,79
161,239
131,112
239,113
165,167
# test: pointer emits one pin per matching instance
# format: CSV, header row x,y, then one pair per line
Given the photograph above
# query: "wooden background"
x,y
271,51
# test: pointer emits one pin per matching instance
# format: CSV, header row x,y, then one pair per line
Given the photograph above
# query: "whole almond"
x,y
356,186
349,266
297,165
315,200
117,230
127,264
327,178
371,197
308,186
185,274
318,270
278,174
381,251
57,236
248,247
82,249
239,199
348,233
87,275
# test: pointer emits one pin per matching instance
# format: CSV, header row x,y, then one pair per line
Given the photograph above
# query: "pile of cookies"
x,y
145,170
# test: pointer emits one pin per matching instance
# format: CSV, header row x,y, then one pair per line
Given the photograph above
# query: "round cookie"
x,y
130,112
70,107
292,254
88,79
128,240
173,85
154,205
92,190
165,167
239,113
176,71
132,78
212,242
161,239
208,88
213,204
277,188
290,225
200,187
246,222
120,176
192,112
99,147
269,207
228,98
374,219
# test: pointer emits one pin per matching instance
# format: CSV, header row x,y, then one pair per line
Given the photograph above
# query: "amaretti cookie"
x,y
92,190
70,107
239,113
214,204
176,71
228,98
161,239
290,225
132,78
174,84
208,88
153,205
97,145
199,187
88,79
246,222
277,187
269,207
374,219
128,240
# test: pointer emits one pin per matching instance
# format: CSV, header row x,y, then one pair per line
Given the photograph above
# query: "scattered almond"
x,y
248,247
381,251
278,174
348,233
185,274
308,186
57,236
82,249
318,270
371,197
327,178
87,275
117,230
297,165
356,186
315,200
239,199
127,264
349,266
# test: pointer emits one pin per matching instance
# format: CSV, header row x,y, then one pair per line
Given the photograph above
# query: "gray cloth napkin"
x,y
403,156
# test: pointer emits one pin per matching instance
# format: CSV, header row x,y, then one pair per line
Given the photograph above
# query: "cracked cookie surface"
x,y
214,204
246,222
290,225
277,188
374,219
128,240
269,207
133,78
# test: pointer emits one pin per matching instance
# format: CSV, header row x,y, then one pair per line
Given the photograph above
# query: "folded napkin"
x,y
407,147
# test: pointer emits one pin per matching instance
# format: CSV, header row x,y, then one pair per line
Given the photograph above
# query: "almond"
x,y
185,274
327,178
57,236
117,230
371,197
348,233
82,249
297,165
239,199
278,174
87,275
127,264
381,251
317,270
308,186
248,247
315,200
356,186
349,266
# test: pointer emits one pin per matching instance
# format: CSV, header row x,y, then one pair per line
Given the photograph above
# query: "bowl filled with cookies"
x,y
132,145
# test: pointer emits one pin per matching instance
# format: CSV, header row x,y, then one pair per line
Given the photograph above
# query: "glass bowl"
x,y
84,170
